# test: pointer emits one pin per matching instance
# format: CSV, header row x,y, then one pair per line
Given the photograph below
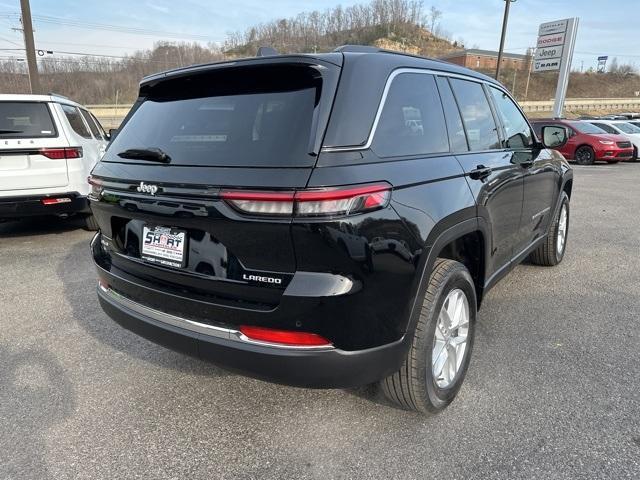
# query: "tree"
x,y
434,17
621,69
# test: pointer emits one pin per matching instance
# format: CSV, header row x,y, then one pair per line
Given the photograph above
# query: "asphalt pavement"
x,y
553,390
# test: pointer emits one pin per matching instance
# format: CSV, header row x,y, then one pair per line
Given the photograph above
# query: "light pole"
x,y
507,3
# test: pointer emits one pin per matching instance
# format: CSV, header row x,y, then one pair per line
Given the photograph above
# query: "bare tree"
x,y
434,19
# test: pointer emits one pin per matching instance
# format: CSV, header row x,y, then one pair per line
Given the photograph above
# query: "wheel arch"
x,y
465,242
584,145
567,187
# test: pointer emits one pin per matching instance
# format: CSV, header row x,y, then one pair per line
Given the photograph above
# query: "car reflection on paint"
x,y
208,256
162,207
391,245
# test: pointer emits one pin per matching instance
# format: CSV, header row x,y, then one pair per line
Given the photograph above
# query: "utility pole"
x,y
30,47
531,59
507,3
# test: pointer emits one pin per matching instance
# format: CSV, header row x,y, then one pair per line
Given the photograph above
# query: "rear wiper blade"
x,y
151,154
10,131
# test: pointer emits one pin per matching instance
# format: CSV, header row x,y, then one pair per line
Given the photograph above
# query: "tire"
x,y
549,253
634,158
414,386
90,223
585,155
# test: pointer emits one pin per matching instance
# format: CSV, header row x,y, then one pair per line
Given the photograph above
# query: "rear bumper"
x,y
297,366
18,207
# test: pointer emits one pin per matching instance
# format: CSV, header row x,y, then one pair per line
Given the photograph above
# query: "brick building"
x,y
487,60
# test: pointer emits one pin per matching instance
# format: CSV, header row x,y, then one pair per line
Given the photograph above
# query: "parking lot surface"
x,y
553,390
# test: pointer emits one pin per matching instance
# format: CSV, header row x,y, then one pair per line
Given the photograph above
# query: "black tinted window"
x,y
517,131
476,114
99,125
412,121
599,128
92,124
243,117
75,120
457,137
25,120
537,127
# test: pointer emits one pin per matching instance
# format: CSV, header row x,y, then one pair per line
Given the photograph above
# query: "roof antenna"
x,y
266,52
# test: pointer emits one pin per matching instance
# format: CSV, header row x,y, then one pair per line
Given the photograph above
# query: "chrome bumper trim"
x,y
193,326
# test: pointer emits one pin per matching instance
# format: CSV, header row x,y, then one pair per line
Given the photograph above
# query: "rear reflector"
x,y
55,201
308,203
61,153
284,337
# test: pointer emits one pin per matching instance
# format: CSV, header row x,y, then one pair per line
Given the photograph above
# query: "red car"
x,y
588,143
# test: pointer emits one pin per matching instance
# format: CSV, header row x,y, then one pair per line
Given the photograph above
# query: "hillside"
x,y
400,25
405,37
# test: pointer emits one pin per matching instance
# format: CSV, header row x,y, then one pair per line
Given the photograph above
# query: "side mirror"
x,y
112,133
554,136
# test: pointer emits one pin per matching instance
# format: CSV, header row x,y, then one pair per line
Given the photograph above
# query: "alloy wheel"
x,y
562,230
450,338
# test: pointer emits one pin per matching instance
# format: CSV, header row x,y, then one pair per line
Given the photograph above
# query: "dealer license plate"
x,y
164,246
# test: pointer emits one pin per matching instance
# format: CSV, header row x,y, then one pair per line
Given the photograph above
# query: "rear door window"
x,y
92,124
99,125
412,121
241,117
599,128
457,136
479,123
75,120
26,120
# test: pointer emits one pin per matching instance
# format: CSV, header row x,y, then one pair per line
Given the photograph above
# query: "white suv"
x,y
621,127
48,146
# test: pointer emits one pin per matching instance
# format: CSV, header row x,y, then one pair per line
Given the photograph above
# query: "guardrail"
x,y
584,105
111,115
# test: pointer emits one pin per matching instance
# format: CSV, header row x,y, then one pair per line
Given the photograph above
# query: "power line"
x,y
47,19
87,60
88,55
97,45
10,41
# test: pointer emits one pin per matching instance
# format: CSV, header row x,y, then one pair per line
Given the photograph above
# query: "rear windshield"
x,y
26,120
586,127
242,117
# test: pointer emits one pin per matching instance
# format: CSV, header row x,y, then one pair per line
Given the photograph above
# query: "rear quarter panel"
x,y
429,196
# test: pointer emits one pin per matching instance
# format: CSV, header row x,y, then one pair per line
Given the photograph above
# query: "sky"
x,y
607,27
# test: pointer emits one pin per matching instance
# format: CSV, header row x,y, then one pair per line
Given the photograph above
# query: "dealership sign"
x,y
552,40
547,53
547,65
548,28
554,52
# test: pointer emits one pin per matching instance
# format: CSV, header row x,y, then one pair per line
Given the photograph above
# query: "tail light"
x,y
61,153
284,337
55,201
310,203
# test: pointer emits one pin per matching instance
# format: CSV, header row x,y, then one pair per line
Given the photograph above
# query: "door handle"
x,y
480,172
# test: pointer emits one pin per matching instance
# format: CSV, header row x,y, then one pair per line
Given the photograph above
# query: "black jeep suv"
x,y
325,220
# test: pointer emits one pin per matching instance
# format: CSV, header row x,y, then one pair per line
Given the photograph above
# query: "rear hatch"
x,y
31,147
253,125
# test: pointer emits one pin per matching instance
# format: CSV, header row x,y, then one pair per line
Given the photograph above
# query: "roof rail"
x,y
53,94
266,52
358,49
